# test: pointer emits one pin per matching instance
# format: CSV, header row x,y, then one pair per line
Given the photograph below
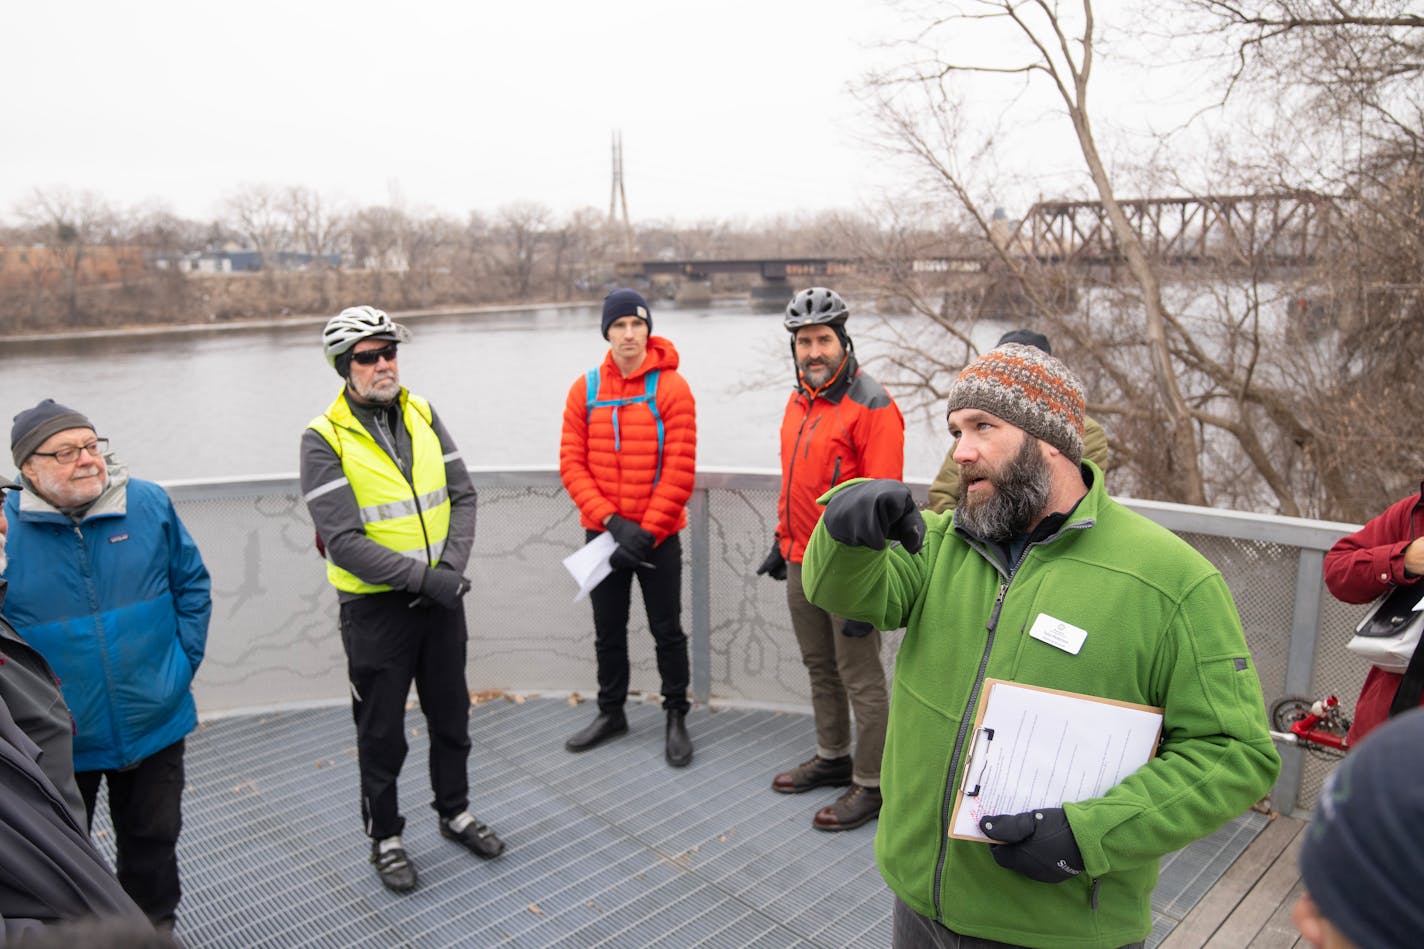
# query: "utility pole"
x,y
619,196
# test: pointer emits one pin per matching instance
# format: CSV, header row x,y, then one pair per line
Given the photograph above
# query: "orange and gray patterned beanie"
x,y
1026,387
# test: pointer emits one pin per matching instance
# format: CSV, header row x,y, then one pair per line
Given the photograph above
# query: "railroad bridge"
x,y
1272,232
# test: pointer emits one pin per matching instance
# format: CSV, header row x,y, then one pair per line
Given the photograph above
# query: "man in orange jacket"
x,y
839,424
628,459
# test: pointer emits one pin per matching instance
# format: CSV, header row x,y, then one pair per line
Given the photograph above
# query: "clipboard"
x,y
1037,747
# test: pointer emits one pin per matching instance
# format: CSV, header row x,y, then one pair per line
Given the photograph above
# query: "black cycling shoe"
x,y
394,868
480,838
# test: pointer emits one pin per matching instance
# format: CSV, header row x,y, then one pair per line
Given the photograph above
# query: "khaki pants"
x,y
846,676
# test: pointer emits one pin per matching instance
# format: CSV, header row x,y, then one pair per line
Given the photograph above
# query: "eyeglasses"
x,y
372,356
70,453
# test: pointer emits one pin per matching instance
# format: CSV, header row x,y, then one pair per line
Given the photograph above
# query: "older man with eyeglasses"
x,y
106,583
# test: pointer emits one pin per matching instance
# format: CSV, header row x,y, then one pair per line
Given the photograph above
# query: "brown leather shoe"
x,y
853,808
818,772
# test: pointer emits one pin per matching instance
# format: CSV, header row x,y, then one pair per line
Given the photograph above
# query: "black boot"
x,y
679,745
607,725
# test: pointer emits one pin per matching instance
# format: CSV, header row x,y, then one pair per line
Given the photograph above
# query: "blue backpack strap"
x,y
590,388
650,390
650,396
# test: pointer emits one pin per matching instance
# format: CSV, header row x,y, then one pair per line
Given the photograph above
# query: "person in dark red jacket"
x,y
1385,553
628,460
839,424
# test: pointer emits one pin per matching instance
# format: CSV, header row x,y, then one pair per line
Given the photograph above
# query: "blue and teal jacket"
x,y
118,603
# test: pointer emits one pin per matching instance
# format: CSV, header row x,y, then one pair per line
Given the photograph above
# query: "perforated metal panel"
x,y
274,637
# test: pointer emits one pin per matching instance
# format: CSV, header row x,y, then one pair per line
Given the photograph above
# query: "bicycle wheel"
x,y
1285,712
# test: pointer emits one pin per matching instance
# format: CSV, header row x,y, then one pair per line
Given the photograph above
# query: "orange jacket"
x,y
603,479
850,428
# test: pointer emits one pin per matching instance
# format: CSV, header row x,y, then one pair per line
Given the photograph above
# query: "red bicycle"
x,y
1320,726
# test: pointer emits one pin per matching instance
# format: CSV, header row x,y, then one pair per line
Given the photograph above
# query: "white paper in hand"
x,y
589,564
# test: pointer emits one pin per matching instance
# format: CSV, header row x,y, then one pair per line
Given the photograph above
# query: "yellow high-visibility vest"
x,y
412,517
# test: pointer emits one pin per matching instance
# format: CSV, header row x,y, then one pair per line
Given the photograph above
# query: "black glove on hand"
x,y
623,559
638,542
855,629
443,586
774,565
1039,844
872,512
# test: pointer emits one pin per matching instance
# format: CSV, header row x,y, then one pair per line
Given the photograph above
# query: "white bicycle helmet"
x,y
356,323
815,306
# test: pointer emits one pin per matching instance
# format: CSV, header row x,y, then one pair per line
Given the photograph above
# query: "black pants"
x,y
662,597
145,804
388,643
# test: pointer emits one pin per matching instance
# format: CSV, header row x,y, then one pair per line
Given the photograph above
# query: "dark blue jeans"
x,y
662,597
913,931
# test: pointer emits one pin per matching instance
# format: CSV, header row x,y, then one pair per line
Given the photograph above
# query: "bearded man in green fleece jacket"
x,y
1035,542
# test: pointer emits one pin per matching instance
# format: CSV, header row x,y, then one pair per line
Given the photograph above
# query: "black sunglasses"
x,y
372,356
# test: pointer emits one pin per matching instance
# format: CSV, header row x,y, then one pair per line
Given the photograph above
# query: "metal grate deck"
x,y
607,848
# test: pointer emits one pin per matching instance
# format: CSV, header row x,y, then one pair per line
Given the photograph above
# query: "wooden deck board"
x,y
1262,902
1279,931
1234,891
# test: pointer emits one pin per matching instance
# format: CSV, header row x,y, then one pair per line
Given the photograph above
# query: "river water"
x,y
233,402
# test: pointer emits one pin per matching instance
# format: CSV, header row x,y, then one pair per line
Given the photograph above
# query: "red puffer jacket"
x,y
1363,567
611,471
849,428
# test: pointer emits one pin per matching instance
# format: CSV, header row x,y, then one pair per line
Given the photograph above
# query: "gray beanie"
x,y
1360,860
1026,387
33,426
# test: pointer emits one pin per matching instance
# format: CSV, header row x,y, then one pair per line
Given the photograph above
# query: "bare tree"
x,y
69,227
523,228
1058,51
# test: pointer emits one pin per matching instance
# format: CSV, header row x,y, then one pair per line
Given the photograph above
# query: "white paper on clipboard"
x,y
1034,747
589,564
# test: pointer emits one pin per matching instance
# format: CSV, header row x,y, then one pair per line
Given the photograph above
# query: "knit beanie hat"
x,y
1359,859
1025,386
625,302
33,426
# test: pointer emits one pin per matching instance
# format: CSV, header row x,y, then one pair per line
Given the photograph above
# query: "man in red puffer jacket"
x,y
628,460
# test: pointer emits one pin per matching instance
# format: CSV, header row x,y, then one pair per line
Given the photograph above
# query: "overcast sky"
x,y
732,109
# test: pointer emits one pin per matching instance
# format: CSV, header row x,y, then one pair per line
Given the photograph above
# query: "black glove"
x,y
871,512
1039,844
855,629
774,565
638,542
443,586
623,559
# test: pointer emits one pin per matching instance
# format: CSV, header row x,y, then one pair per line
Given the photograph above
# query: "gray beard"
x,y
371,397
1021,493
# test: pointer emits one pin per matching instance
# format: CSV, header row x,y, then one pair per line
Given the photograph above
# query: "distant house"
x,y
244,261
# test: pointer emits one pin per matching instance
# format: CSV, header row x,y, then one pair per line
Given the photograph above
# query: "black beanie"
x,y
33,426
625,302
1026,338
1360,860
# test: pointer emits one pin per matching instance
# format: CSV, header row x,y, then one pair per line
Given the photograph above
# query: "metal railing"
x,y
274,638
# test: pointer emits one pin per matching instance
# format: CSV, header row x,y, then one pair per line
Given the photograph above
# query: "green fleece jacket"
x,y
1162,630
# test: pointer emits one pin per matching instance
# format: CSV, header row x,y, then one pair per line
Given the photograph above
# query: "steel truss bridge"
x,y
1272,231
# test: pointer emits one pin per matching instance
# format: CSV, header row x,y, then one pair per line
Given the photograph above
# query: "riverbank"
x,y
310,319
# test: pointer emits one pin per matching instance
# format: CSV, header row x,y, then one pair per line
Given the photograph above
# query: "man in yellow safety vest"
x,y
394,511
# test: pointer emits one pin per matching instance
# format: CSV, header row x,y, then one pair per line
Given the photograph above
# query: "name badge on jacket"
x,y
1055,632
